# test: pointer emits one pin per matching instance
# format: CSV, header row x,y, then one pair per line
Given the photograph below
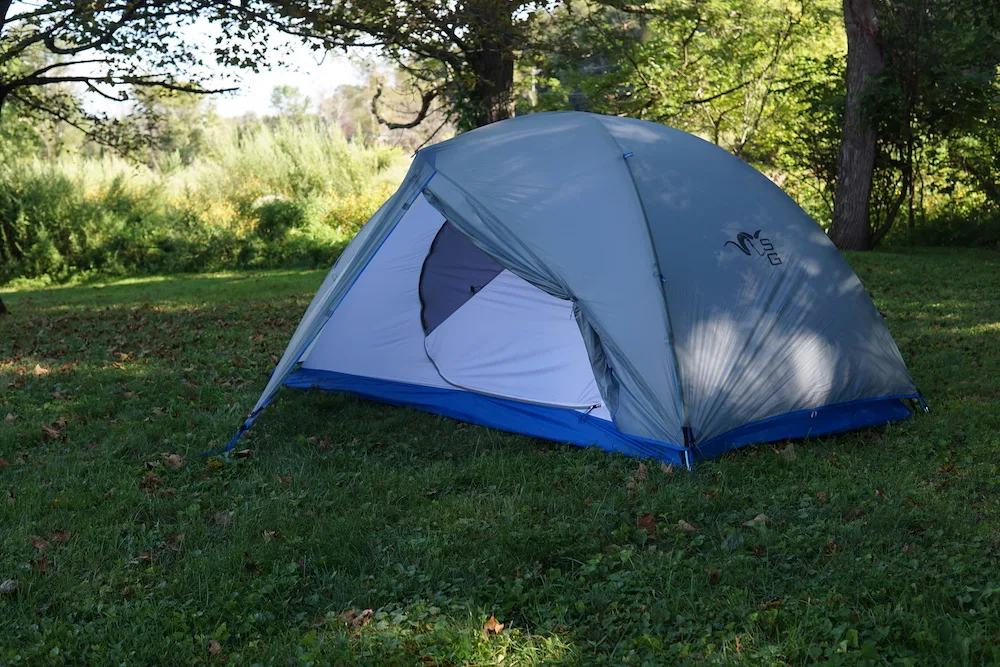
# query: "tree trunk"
x,y
851,228
491,61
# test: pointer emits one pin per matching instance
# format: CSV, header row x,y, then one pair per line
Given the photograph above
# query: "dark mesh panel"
x,y
455,269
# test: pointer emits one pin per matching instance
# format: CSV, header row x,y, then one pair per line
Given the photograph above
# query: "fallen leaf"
x,y
150,482
640,474
713,576
686,527
270,535
10,497
284,479
667,468
822,496
158,412
648,523
759,520
42,565
787,453
10,419
39,371
173,461
147,556
908,549
739,647
243,454
214,647
492,626
831,547
39,543
773,603
362,619
879,494
49,433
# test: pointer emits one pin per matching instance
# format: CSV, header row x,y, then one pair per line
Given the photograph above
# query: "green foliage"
x,y
260,198
880,546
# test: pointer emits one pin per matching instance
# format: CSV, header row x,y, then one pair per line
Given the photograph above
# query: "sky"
x,y
303,68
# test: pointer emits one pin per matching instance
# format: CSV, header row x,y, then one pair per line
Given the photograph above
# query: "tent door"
x,y
491,332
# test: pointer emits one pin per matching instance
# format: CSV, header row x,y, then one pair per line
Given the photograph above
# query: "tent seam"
x,y
660,279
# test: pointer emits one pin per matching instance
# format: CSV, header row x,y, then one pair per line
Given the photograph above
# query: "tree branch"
x,y
425,105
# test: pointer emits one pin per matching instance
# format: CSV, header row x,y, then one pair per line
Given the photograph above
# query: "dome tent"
x,y
600,281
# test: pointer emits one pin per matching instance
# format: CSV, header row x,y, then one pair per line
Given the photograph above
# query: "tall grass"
x,y
255,198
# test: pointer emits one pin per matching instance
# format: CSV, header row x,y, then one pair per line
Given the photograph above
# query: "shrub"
x,y
267,198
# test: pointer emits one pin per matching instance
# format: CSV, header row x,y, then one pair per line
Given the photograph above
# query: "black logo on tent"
x,y
748,244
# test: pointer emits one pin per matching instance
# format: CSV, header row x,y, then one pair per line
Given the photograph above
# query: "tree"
x,y
289,102
461,54
851,228
50,49
919,73
723,70
173,124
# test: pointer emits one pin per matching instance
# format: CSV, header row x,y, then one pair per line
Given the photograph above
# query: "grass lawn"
x,y
879,546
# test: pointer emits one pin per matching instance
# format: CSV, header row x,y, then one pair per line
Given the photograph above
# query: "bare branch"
x,y
425,104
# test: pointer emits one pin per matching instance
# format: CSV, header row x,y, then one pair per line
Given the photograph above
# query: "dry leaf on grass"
x,y
647,522
50,433
363,618
270,535
150,482
492,626
173,461
640,474
39,543
42,565
214,647
686,527
759,520
39,371
713,576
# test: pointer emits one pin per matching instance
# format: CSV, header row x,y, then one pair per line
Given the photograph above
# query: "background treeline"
x,y
167,185
200,193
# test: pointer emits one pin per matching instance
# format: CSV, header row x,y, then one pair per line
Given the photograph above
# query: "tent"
x,y
600,281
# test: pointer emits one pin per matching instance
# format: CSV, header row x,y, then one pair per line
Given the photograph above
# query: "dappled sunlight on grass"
x,y
875,546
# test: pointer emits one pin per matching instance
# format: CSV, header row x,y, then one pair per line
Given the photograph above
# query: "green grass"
x,y
881,546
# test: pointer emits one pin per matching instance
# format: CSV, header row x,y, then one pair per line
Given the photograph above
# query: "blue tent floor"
x,y
574,427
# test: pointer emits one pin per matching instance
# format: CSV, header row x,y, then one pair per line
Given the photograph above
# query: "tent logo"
x,y
750,243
